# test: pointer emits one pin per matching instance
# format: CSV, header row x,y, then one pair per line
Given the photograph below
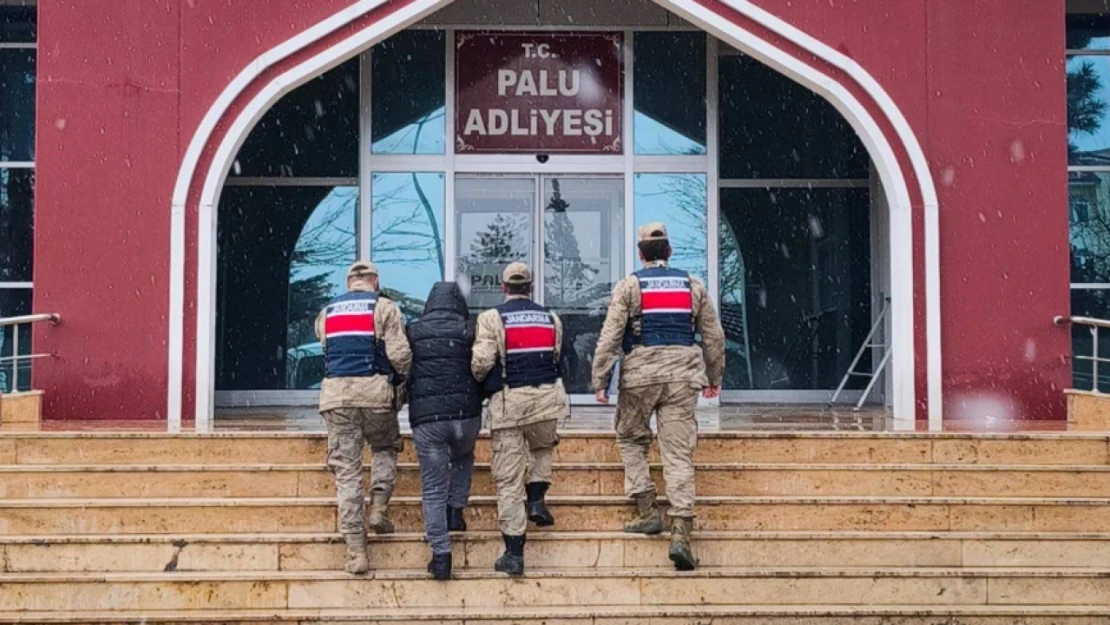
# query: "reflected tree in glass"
x,y
407,239
679,202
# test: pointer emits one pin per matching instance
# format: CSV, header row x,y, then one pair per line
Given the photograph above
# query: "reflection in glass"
x,y
311,132
679,201
1090,303
408,78
14,302
1089,223
283,254
583,230
1088,31
669,87
1088,106
17,105
17,188
17,23
772,127
795,285
493,227
407,240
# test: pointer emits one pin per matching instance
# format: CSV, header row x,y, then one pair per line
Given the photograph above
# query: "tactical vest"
x,y
666,310
529,347
351,348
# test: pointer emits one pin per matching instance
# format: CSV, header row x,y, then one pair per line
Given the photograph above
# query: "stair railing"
x,y
16,358
1094,325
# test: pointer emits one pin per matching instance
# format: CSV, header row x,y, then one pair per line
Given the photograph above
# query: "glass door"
x,y
575,223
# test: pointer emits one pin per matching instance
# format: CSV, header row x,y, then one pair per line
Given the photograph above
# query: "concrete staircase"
x,y
793,528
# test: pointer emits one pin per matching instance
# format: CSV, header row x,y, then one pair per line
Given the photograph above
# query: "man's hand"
x,y
602,396
710,392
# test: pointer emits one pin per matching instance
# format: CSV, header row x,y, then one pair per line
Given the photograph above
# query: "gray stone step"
x,y
578,446
576,514
553,550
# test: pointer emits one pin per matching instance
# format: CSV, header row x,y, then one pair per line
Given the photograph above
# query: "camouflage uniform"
x,y
364,409
523,424
661,379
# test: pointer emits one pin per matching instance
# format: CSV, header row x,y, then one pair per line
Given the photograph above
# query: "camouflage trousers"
x,y
674,406
520,455
348,430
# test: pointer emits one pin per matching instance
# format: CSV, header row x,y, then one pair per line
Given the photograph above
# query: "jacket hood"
x,y
446,296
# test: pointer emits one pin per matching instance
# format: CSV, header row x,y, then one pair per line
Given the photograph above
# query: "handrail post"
x,y
15,361
1094,360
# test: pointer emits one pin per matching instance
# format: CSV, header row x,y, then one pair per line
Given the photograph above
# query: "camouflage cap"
x,y
651,231
362,269
517,273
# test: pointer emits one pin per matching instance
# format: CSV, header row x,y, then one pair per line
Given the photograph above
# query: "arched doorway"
x,y
895,189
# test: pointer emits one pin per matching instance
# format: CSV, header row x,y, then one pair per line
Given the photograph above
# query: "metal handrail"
x,y
1094,325
53,318
16,357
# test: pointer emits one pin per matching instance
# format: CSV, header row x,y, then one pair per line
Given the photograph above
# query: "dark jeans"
x,y
445,450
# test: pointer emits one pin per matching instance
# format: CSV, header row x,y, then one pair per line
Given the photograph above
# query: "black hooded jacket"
x,y
441,386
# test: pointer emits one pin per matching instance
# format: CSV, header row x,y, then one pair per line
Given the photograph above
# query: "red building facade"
x,y
945,192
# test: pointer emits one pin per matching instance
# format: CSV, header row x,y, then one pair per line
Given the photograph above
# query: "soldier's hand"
x,y
710,392
601,396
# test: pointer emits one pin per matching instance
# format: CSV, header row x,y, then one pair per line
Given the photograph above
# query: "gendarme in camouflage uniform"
x,y
364,343
516,352
653,318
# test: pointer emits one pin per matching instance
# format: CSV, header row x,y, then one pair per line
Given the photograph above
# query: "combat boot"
x,y
512,561
647,520
357,563
681,553
537,506
379,513
456,522
440,566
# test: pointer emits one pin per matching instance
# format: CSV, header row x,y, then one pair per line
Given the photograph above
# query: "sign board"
x,y
538,93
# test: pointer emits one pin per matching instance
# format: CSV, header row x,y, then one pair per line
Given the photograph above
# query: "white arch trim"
x,y
879,147
934,366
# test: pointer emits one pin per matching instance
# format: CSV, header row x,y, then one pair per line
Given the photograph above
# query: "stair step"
x,y
618,615
390,590
578,446
576,514
552,550
714,479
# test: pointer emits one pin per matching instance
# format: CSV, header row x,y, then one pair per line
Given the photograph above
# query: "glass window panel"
x,y
679,201
407,242
283,254
494,226
1088,32
17,190
1088,92
17,23
669,86
1090,303
1089,222
795,285
772,127
311,132
15,302
408,94
583,235
17,105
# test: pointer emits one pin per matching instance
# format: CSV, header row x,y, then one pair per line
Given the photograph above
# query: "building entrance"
x,y
568,228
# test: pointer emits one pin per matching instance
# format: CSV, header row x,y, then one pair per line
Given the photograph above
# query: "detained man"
x,y
445,411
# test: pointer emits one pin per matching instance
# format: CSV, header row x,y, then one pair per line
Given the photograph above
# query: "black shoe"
x,y
440,566
537,507
512,561
456,522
